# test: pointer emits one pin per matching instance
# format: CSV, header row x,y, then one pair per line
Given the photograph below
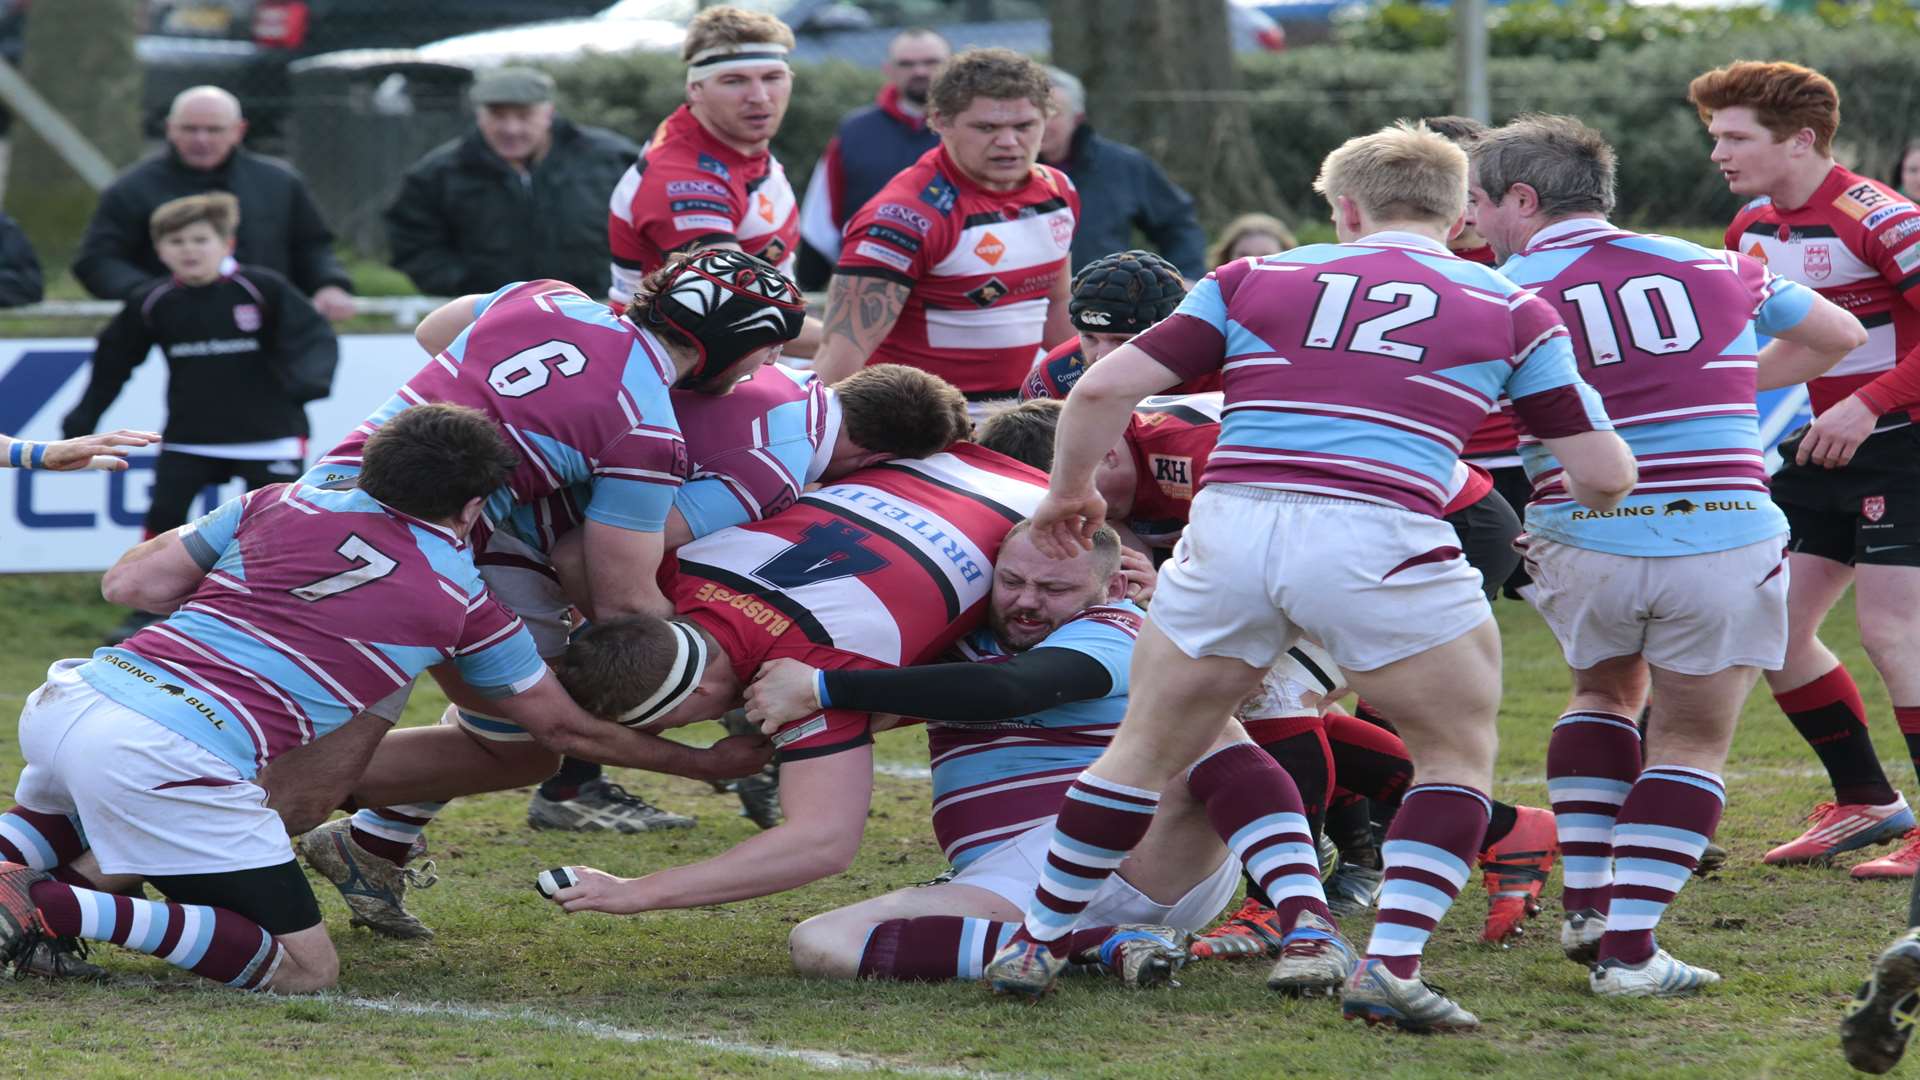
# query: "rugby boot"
x,y
1515,870
760,796
1580,934
1378,996
1314,960
1900,864
375,889
602,806
1139,955
1874,1031
1353,888
59,958
1659,976
20,924
1834,828
1329,853
1712,858
1025,969
1253,931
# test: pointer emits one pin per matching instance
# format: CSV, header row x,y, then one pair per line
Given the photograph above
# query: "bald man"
x,y
280,227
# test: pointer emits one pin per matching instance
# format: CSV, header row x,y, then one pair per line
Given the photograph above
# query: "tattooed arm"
x,y
861,311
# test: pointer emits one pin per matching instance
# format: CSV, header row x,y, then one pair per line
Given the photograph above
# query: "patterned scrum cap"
x,y
1125,293
730,303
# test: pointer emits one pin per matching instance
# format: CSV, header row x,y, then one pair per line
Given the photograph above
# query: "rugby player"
x,y
1848,486
291,610
1348,547
1148,483
1114,297
706,178
887,566
584,395
750,454
1008,735
105,452
959,265
1687,576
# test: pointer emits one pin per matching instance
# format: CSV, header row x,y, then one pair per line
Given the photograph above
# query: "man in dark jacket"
x,y
20,281
1120,189
523,196
280,227
870,147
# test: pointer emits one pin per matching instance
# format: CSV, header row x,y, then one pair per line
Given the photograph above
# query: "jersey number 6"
x,y
526,371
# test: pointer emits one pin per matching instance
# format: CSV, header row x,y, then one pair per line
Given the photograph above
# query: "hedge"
x,y
1305,102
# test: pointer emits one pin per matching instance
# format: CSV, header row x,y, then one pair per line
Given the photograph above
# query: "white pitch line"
x,y
902,772
819,1059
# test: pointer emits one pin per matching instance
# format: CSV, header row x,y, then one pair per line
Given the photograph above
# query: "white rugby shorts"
x,y
1691,614
1011,871
1258,569
149,801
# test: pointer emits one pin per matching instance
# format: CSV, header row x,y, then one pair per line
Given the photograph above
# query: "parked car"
x,y
246,45
824,29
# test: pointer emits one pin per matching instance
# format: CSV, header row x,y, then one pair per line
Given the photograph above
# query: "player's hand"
x,y
598,890
1140,574
1065,522
782,693
733,757
1837,433
335,303
106,452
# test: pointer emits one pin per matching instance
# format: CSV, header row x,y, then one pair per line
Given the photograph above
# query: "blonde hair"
x,y
1249,225
721,26
1405,172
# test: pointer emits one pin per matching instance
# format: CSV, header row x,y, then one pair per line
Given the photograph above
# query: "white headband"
x,y
710,62
683,677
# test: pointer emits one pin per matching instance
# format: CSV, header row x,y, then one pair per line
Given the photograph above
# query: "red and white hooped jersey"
x,y
689,189
981,265
888,566
1857,243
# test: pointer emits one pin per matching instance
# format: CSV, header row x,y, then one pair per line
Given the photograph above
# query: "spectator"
x,y
283,232
245,351
523,196
20,281
1121,189
869,147
1250,235
1906,170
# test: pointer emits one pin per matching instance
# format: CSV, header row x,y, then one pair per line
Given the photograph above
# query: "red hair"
x,y
1784,97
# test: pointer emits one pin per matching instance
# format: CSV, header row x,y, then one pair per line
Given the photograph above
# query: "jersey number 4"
x,y
372,566
825,551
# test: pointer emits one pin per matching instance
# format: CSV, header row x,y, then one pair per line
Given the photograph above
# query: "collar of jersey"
x,y
683,122
952,171
1560,230
1395,238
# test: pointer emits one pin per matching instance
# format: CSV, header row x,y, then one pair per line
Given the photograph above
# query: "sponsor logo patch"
x,y
905,215
1862,199
1886,212
1908,260
1095,318
709,163
940,194
887,255
1173,474
764,207
775,250
697,187
1873,507
1818,261
751,608
689,222
246,317
987,292
1758,251
990,249
1901,231
894,237
681,206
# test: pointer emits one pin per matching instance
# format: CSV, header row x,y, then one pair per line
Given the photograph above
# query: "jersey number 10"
x,y
1668,327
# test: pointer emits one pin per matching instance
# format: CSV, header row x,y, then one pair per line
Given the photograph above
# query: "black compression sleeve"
x,y
964,693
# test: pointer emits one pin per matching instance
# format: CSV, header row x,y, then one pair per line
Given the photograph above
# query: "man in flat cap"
x,y
522,196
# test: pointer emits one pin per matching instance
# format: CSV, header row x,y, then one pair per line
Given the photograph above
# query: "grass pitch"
x,y
512,987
